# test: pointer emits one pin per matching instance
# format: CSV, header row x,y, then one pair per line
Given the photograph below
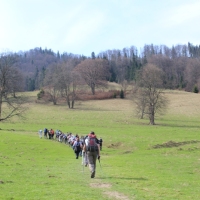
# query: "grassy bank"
x,y
138,161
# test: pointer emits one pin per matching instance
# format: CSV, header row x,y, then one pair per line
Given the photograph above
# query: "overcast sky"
x,y
84,26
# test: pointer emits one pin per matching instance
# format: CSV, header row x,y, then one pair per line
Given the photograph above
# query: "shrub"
x,y
99,95
195,89
40,94
122,94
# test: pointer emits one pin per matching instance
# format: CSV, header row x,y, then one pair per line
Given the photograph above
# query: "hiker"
x,y
100,143
45,132
77,146
49,133
57,132
92,148
40,133
52,133
84,153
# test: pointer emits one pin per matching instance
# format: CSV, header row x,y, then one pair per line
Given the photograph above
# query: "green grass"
x,y
33,168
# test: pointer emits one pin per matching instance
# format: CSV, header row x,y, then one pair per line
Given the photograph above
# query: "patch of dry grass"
x,y
183,103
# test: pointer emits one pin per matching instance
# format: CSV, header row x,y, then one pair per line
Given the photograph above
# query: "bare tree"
x,y
94,72
11,104
141,102
17,82
52,83
192,73
69,80
150,95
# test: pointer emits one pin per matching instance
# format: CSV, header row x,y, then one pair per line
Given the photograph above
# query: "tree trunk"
x,y
68,101
93,88
152,120
0,107
73,103
152,114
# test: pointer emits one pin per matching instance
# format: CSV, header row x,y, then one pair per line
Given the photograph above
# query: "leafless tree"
x,y
69,80
150,97
52,83
192,73
11,103
140,100
94,72
17,82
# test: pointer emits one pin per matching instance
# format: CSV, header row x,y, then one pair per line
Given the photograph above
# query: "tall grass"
x,y
33,168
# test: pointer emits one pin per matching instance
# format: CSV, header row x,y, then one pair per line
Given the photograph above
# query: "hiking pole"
x,y
83,155
83,168
100,164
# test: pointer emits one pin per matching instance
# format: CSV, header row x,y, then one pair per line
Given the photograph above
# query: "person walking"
x,y
92,148
45,132
84,153
40,133
100,143
77,146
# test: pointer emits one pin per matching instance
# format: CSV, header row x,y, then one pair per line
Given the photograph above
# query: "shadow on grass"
x,y
123,178
178,126
180,123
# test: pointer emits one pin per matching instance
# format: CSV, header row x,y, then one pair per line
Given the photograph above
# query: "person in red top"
x,y
51,133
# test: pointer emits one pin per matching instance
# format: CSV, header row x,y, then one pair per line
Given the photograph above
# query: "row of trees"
x,y
179,64
61,79
60,74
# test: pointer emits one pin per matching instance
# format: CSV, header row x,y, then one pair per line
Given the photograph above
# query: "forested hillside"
x,y
39,67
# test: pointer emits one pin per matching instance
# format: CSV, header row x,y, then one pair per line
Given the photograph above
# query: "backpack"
x,y
77,147
92,145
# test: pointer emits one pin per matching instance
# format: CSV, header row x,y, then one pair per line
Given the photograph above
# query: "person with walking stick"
x,y
92,149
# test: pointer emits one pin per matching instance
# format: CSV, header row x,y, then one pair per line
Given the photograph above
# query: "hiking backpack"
x,y
92,145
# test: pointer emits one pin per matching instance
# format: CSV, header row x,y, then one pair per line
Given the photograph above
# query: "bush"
x,y
122,94
40,94
99,95
195,89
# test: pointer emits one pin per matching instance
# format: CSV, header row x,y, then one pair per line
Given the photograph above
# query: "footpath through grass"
x,y
138,161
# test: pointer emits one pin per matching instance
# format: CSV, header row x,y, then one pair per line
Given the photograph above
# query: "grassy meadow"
x,y
138,161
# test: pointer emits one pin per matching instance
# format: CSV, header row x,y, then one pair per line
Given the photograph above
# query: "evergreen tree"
x,y
58,55
93,55
122,94
195,89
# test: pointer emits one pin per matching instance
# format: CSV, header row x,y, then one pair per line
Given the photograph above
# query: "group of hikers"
x,y
88,147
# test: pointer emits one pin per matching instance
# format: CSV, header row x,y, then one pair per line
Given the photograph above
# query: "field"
x,y
138,161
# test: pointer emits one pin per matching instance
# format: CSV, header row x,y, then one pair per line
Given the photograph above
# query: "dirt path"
x,y
107,190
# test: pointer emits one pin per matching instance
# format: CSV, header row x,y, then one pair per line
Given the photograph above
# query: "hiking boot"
x,y
92,174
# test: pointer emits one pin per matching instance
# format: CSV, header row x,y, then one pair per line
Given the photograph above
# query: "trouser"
x,y
84,158
92,157
45,135
77,154
40,135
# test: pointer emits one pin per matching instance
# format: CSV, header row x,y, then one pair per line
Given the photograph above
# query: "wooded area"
x,y
59,76
38,68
